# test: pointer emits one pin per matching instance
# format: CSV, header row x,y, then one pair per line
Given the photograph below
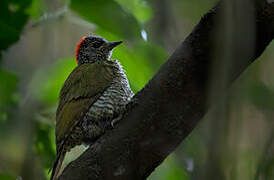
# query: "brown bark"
x,y
167,109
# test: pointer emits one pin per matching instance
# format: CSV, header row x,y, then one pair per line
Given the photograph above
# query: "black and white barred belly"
x,y
108,106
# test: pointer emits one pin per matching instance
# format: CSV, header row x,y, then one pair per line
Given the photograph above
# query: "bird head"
x,y
92,49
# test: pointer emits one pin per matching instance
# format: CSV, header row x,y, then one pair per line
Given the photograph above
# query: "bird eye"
x,y
97,44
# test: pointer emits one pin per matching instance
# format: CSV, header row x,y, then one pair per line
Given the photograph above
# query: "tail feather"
x,y
56,166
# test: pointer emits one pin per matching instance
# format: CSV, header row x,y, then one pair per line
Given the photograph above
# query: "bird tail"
x,y
57,165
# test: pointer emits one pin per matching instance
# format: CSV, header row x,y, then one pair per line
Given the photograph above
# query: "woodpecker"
x,y
92,99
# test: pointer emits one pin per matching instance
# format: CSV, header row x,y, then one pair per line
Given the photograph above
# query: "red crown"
x,y
78,46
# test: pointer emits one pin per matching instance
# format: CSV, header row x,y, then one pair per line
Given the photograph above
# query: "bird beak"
x,y
112,45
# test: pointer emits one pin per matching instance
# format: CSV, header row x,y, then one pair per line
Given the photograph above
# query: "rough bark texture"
x,y
167,109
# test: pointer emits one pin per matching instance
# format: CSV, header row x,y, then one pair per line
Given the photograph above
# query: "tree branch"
x,y
167,109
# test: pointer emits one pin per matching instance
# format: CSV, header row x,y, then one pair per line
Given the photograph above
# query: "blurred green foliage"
x,y
194,9
6,177
43,145
170,170
36,9
8,89
265,100
13,17
109,15
52,79
140,9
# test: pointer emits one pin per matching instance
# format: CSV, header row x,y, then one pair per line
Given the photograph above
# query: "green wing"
x,y
81,89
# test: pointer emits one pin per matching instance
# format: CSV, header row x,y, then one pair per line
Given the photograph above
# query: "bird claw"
x,y
115,120
112,124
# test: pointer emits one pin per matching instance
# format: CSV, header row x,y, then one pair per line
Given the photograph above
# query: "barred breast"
x,y
108,106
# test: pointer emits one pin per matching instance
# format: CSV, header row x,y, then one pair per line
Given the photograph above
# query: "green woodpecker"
x,y
92,98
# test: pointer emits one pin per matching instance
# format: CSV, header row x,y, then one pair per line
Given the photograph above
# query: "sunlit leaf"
x,y
140,9
109,15
36,9
170,170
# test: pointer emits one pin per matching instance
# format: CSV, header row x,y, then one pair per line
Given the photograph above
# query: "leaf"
x,y
12,20
170,170
139,8
36,9
7,177
9,83
43,145
109,15
261,96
